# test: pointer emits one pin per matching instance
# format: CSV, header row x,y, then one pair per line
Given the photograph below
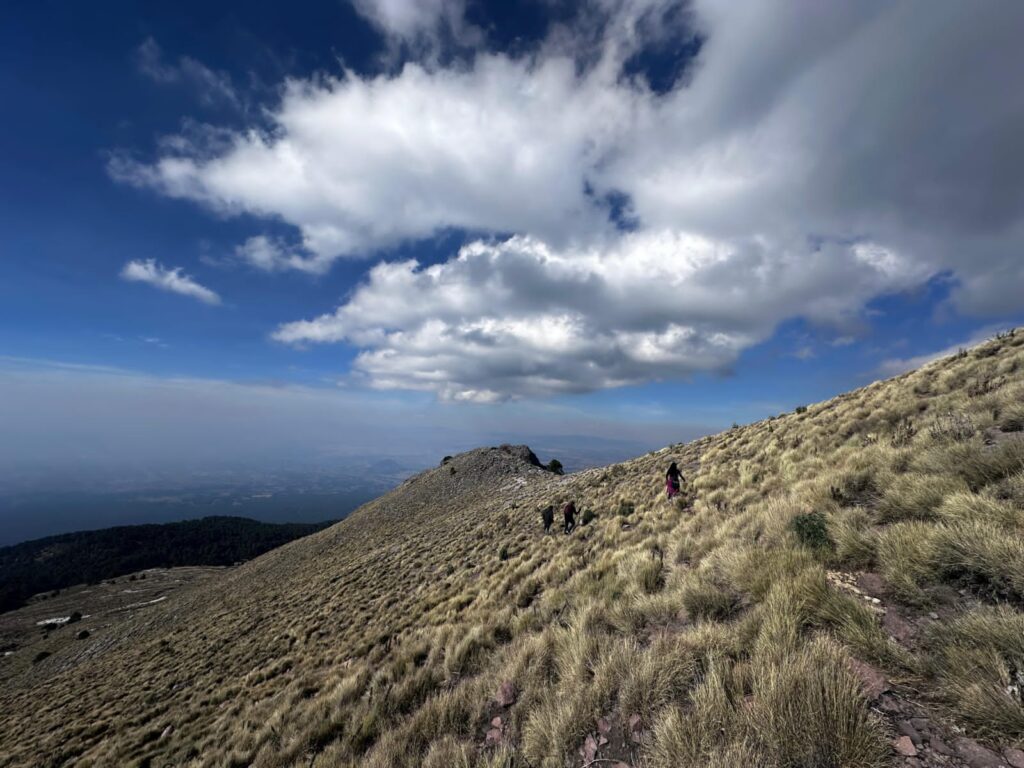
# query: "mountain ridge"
x,y
438,626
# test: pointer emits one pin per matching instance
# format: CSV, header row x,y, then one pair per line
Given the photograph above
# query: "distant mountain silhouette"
x,y
61,561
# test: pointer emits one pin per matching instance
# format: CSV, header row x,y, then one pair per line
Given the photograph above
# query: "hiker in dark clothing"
x,y
548,516
570,516
673,480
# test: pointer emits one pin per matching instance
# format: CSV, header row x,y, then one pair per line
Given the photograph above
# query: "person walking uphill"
x,y
673,481
570,516
548,516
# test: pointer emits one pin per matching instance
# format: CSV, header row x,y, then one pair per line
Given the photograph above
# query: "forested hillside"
x,y
61,561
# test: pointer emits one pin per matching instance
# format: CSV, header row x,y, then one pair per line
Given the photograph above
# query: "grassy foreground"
x,y
827,574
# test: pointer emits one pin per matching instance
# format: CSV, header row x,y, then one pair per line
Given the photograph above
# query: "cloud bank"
x,y
806,161
167,279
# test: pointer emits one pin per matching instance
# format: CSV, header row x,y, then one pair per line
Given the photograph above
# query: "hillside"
x,y
85,557
839,586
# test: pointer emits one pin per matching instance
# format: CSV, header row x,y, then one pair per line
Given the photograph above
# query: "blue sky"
x,y
447,221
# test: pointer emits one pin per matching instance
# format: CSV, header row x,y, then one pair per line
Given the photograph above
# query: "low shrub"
x,y
811,528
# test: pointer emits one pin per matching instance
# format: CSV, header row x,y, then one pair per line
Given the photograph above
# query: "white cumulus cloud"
x,y
171,279
517,318
809,160
413,21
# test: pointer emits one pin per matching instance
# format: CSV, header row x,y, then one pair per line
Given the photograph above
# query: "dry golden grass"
x,y
383,641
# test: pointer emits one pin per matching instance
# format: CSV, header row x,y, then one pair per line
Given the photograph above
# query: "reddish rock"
x,y
890,704
589,749
905,746
636,727
496,723
493,737
901,630
872,680
871,583
1014,757
603,726
908,730
976,755
507,694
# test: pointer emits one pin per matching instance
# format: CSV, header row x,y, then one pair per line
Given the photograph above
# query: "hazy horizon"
x,y
253,239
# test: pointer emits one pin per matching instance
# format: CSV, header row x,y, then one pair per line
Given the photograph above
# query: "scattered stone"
x,y
912,762
938,745
933,616
889,704
603,726
636,727
496,723
872,680
167,732
976,755
905,746
920,723
910,732
1014,757
901,630
589,749
493,737
871,583
507,694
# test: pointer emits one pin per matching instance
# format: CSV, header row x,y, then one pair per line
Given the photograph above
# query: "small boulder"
x,y
493,737
908,730
976,755
872,681
636,727
905,746
507,694
1014,757
901,630
589,749
938,745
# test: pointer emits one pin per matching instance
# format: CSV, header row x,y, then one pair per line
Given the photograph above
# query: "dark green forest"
x,y
62,561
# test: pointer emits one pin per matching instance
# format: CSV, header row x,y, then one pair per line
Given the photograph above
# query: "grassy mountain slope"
x,y
56,562
835,582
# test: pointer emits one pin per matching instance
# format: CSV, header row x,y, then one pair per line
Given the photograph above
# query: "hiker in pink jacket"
x,y
673,481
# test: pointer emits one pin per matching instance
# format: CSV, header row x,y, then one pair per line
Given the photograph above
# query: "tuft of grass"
x,y
907,556
804,709
651,575
978,661
705,600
